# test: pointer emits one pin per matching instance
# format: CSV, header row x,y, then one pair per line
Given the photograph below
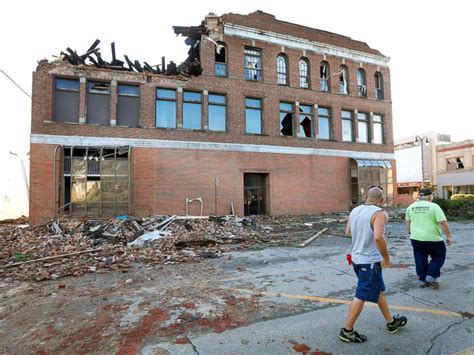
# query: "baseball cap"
x,y
426,192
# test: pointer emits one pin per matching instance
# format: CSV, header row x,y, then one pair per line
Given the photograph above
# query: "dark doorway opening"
x,y
255,194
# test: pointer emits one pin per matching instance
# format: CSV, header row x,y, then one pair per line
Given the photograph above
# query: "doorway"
x,y
255,194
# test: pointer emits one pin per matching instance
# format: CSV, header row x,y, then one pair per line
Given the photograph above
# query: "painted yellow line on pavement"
x,y
335,300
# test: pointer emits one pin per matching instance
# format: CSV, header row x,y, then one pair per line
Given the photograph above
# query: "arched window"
x,y
378,86
282,69
361,83
220,60
343,80
324,76
304,72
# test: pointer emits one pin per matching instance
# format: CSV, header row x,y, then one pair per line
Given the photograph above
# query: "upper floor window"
x,y
363,127
343,80
192,110
253,115
217,112
128,105
287,116
304,73
282,70
347,126
454,163
378,129
324,76
166,108
66,100
253,64
378,86
361,83
324,123
306,121
98,102
220,60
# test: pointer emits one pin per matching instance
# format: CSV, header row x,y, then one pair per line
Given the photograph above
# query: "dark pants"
x,y
422,250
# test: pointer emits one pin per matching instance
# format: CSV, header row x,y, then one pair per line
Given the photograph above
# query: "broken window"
x,y
128,105
166,108
324,76
282,70
378,128
306,121
253,115
324,123
66,100
96,181
98,103
220,60
347,126
217,112
454,163
361,83
287,115
363,127
192,110
378,86
304,73
252,64
367,173
255,194
343,80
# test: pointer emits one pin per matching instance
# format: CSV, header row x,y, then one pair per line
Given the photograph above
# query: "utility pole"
x,y
422,141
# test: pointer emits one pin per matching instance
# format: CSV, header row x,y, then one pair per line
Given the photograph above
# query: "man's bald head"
x,y
375,194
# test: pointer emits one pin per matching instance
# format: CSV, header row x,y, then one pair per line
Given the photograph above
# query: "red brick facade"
x,y
161,178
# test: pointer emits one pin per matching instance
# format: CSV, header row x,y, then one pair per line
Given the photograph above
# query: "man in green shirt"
x,y
425,220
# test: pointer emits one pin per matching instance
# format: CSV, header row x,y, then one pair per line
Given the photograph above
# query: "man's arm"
x,y
408,224
348,229
445,227
380,219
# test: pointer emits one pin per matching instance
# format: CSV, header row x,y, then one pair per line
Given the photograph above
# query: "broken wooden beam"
x,y
310,239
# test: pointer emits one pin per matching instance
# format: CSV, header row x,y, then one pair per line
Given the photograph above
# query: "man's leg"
x,y
383,305
421,259
354,312
437,251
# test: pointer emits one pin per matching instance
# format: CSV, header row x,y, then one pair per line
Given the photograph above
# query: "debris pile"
x,y
75,247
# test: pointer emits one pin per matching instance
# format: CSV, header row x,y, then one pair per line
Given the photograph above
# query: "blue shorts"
x,y
370,282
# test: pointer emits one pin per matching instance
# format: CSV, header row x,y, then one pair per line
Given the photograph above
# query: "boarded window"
x,y
66,100
253,115
98,103
166,108
217,112
128,106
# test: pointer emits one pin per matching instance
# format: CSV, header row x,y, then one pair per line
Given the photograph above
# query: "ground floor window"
x,y
367,173
448,191
95,181
255,194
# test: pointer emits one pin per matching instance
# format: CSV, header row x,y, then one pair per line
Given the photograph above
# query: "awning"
x,y
374,163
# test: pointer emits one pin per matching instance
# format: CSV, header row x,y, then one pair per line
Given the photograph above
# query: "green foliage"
x,y
19,257
459,207
464,197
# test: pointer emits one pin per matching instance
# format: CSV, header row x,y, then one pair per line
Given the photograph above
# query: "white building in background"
x,y
416,161
15,113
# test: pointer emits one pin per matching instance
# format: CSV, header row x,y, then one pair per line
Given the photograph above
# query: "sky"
x,y
428,42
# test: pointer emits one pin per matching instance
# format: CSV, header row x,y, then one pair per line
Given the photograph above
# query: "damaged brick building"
x,y
264,117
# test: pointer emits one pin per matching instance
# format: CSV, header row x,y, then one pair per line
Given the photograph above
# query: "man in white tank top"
x,y
366,226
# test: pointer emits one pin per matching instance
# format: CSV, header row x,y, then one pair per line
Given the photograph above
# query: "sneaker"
x,y
398,321
421,283
352,336
432,282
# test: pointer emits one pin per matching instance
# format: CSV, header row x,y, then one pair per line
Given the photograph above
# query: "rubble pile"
x,y
75,247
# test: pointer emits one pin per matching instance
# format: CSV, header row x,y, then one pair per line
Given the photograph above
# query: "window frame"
x,y
306,76
380,123
175,100
220,64
260,109
119,95
293,123
351,120
192,102
90,91
361,82
329,118
311,114
209,104
324,83
259,72
281,74
379,91
367,126
66,90
345,82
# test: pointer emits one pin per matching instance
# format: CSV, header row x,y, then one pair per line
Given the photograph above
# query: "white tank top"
x,y
364,250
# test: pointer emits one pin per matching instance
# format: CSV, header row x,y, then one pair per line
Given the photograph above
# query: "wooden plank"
x,y
310,239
